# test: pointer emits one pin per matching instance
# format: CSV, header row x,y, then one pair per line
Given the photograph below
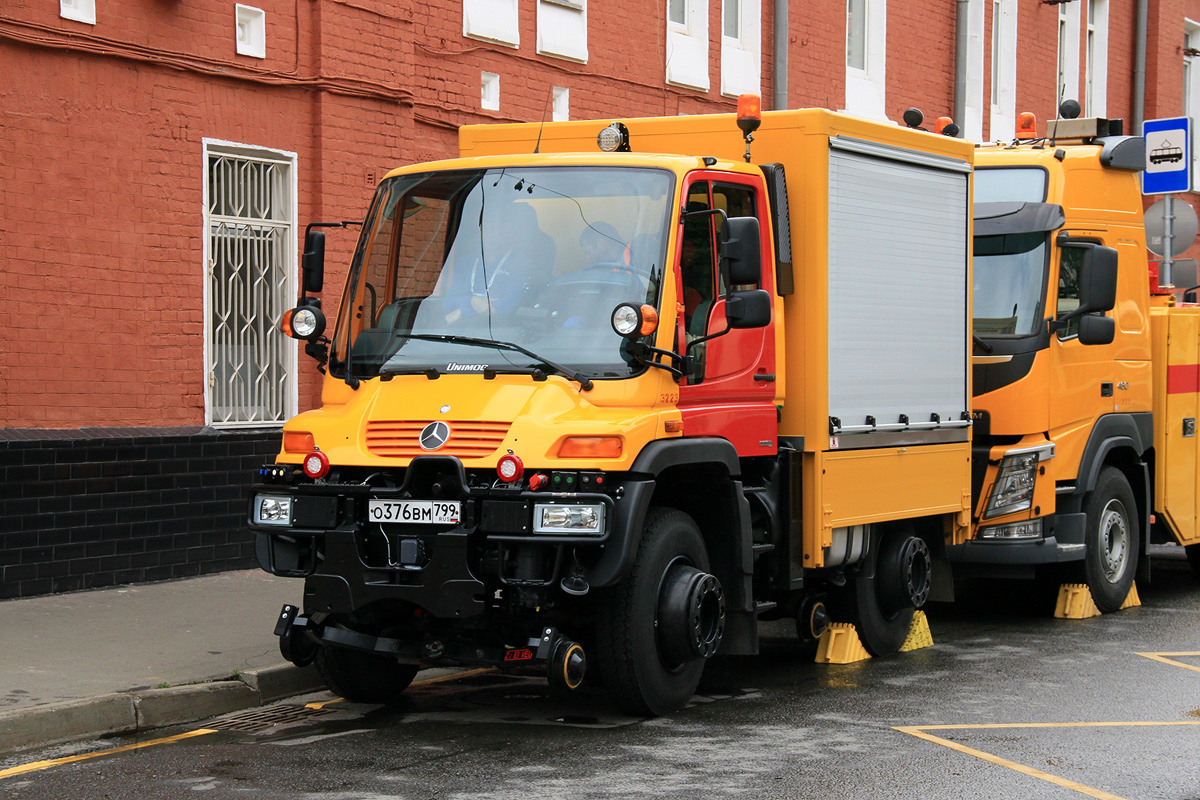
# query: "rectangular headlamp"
x,y
569,519
271,509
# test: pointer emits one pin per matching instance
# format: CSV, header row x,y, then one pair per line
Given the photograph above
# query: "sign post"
x,y
1168,170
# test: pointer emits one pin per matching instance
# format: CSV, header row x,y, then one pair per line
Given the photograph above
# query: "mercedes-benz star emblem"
x,y
434,435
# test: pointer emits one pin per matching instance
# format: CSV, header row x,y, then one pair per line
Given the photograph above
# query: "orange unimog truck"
x,y
602,396
1085,375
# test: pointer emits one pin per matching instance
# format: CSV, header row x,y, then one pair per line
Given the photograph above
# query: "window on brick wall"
x,y
492,21
1068,52
562,29
560,108
741,47
78,10
1096,53
687,43
1003,118
1191,85
249,219
866,58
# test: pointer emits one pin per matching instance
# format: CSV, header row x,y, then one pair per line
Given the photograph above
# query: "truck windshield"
x,y
451,261
1010,275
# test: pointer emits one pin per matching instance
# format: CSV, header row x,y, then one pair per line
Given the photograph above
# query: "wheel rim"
x,y
1114,540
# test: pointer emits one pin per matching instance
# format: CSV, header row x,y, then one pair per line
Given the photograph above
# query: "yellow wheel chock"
x,y
840,643
1075,601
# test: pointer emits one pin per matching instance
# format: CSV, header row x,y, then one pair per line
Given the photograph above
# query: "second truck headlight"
x,y
1013,490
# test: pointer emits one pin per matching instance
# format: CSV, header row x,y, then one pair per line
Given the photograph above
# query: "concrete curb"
x,y
130,712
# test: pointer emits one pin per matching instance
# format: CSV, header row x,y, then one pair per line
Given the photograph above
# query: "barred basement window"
x,y
250,203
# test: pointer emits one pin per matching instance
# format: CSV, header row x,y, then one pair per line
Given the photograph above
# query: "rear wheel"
x,y
892,581
363,677
1112,540
655,628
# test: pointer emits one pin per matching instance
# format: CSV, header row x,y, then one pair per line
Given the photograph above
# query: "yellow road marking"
x,y
1162,657
919,731
454,676
54,762
323,703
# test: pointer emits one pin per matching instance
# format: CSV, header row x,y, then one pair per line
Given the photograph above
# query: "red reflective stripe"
x,y
1183,379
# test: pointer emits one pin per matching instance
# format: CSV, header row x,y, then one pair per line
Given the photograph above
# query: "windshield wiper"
x,y
584,381
987,348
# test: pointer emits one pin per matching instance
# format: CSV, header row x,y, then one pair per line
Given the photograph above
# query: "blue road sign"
x,y
1168,155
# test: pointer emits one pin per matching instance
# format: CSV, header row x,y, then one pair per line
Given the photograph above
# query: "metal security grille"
x,y
251,231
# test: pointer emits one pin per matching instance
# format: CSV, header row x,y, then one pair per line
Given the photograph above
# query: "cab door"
x,y
730,389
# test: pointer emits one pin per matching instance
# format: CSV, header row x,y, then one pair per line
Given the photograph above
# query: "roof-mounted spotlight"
x,y
614,139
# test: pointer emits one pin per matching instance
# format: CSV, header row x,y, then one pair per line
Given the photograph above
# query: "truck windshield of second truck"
x,y
1010,278
536,256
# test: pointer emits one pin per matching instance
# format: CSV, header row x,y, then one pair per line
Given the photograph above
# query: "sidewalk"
x,y
129,658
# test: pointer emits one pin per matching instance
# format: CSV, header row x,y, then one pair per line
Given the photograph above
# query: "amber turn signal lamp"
x,y
591,447
1026,125
298,442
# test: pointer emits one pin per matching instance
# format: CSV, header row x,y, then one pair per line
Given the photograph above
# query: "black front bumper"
x,y
1063,543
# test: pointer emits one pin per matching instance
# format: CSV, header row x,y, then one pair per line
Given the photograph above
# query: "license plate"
x,y
420,512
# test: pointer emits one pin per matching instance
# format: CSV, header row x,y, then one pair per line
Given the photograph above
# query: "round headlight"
x,y
610,139
627,319
308,322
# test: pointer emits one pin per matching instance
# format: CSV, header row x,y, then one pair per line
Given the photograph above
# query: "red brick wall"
x,y
101,164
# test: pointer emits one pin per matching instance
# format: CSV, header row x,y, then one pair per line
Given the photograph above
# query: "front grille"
x,y
401,438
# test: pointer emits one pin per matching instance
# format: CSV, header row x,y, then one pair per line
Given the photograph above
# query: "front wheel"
x,y
1111,541
363,677
655,628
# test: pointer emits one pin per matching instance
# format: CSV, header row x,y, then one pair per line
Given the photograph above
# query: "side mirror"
x,y
1094,329
741,254
750,308
1097,280
312,263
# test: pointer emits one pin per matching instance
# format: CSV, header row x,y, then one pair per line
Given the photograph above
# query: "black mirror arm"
x,y
643,352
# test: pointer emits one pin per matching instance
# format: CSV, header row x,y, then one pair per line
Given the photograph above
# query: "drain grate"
x,y
260,719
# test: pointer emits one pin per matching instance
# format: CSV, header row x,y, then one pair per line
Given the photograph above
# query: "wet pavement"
x,y
1008,703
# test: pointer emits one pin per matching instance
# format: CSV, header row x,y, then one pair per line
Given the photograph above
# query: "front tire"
x,y
1112,540
363,677
647,669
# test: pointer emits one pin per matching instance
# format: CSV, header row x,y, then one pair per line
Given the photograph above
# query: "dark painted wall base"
x,y
103,506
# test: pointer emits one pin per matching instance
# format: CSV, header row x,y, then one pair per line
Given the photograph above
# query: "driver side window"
x,y
1070,260
697,261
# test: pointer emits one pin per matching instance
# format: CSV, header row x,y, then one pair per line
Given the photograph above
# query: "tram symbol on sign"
x,y
1166,153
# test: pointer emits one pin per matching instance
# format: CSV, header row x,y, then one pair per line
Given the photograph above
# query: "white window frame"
x,y
250,31
866,89
1096,91
489,91
741,55
493,21
687,47
562,29
78,10
218,147
1003,117
972,124
1191,88
1070,20
560,104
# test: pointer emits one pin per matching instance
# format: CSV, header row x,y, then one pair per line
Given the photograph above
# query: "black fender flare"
x,y
630,514
1113,432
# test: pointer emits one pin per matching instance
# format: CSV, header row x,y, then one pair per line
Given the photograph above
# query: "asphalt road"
x,y
1008,703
